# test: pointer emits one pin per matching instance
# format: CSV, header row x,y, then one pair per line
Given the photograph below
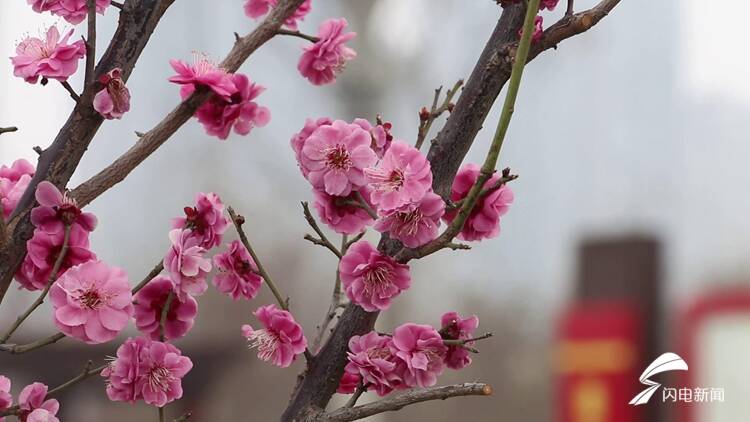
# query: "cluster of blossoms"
x,y
32,403
13,183
414,356
73,11
538,20
356,170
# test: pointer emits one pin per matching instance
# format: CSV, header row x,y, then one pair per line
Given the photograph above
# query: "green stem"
x,y
164,313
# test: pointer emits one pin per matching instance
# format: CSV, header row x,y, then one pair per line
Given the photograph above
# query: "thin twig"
x,y
354,240
346,414
158,268
335,302
161,414
86,373
468,340
488,168
184,417
90,43
427,117
361,388
40,299
569,10
322,240
238,221
117,4
8,129
164,314
297,34
71,91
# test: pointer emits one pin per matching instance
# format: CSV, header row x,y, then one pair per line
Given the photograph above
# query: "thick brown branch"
x,y
400,401
90,44
138,19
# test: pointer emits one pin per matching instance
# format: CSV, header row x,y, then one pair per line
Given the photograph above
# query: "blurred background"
x,y
629,236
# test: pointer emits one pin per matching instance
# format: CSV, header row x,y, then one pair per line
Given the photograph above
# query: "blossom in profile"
x,y
484,220
57,209
186,263
148,305
372,279
402,177
13,183
339,212
370,358
43,250
347,385
92,302
203,72
326,58
206,219
413,224
113,101
33,407
146,370
6,400
219,115
280,340
421,348
238,274
73,11
454,327
335,157
548,4
299,139
51,58
258,8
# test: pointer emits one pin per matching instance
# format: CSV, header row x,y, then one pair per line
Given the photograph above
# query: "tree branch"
x,y
426,118
346,414
322,240
298,34
90,44
8,129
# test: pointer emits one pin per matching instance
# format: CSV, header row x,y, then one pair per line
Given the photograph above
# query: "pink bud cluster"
x,y
414,356
538,20
33,404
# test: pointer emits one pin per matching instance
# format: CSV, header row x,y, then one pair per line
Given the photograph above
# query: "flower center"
x,y
378,353
90,299
386,182
266,342
194,220
410,221
159,378
377,280
243,267
337,158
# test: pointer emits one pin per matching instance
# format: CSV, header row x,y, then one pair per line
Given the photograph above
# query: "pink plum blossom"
x,y
33,406
186,263
548,4
402,177
51,58
203,72
206,219
57,209
73,11
421,348
299,139
338,213
335,157
453,327
238,273
163,370
6,400
92,302
322,61
538,29
381,135
113,101
146,370
347,385
413,224
484,220
220,115
13,183
257,8
149,303
43,249
370,278
371,358
280,340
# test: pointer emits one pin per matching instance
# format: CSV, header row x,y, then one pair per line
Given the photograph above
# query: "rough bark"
x,y
57,163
